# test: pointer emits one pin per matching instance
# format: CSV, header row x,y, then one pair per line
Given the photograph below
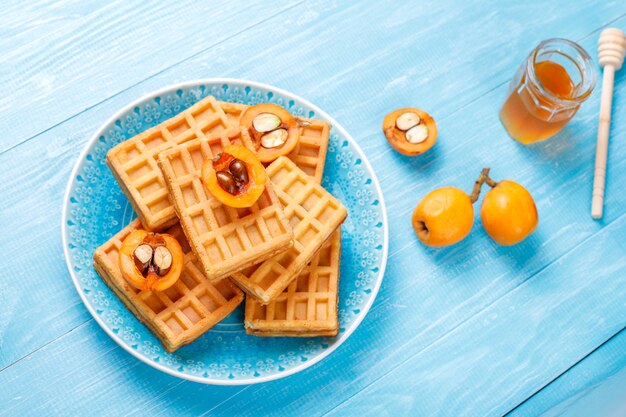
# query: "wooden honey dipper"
x,y
611,48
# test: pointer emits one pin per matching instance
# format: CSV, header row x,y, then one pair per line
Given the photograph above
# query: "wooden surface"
x,y
475,329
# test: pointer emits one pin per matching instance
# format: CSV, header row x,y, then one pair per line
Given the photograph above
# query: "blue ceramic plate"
x,y
95,209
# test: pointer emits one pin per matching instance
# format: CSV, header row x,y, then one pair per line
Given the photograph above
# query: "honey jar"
x,y
547,90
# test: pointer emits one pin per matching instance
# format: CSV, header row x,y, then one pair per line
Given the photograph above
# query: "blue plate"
x,y
95,208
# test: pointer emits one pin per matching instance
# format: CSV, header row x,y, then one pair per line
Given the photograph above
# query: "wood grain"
x,y
100,52
549,320
60,387
83,64
605,399
357,61
584,377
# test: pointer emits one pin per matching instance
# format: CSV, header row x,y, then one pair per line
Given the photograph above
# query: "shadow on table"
x,y
426,163
479,253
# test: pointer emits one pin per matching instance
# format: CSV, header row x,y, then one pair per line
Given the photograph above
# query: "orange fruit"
x,y
443,217
508,213
410,131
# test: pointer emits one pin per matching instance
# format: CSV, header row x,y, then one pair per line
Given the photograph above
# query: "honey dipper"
x,y
611,48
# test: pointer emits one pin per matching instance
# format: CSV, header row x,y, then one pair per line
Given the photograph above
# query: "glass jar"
x,y
547,90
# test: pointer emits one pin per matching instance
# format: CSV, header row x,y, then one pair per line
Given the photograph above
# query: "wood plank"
x,y
86,373
509,350
57,69
606,399
588,375
104,51
27,22
464,294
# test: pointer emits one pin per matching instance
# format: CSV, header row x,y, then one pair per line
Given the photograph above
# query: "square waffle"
x,y
134,166
225,239
314,214
183,312
310,152
308,307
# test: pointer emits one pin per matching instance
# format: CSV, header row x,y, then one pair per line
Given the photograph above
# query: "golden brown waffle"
x,y
133,162
314,214
233,111
308,307
310,153
225,239
183,312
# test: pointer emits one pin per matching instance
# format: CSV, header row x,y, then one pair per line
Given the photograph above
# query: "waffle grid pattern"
x,y
226,239
134,162
314,214
310,152
308,306
180,314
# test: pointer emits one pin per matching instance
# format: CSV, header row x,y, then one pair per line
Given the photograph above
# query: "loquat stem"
x,y
482,178
490,182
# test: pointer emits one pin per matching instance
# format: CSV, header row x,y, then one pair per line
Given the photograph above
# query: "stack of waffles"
x,y
282,253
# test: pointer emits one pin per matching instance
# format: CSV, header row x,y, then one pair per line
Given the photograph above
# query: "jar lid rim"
x,y
582,60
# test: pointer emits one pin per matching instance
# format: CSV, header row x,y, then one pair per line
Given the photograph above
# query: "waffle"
x,y
310,152
183,312
308,307
133,162
225,239
134,166
233,111
314,214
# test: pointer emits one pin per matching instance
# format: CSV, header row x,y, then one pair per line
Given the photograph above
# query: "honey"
x,y
528,122
547,91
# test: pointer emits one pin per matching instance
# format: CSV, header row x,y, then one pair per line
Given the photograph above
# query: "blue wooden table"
x,y
475,329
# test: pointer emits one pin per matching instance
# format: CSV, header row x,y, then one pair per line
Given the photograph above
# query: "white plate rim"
x,y
243,82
